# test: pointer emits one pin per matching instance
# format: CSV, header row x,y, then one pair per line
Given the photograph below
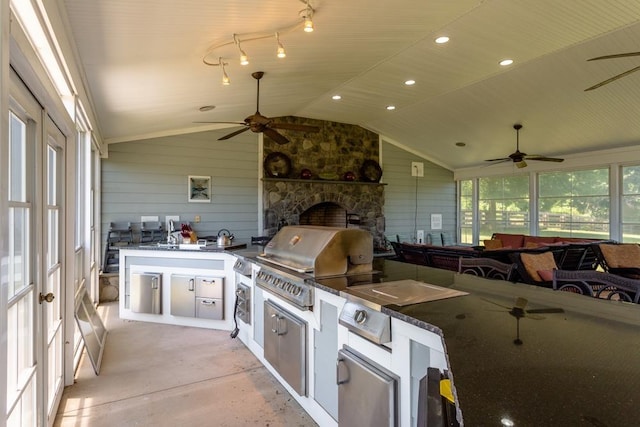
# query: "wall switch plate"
x,y
417,169
196,219
420,236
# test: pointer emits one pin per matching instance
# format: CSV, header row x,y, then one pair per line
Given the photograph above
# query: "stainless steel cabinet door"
x,y
146,291
285,340
366,395
183,296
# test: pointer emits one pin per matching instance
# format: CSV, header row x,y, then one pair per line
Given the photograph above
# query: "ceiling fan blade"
x,y
502,159
294,126
616,55
546,310
612,79
545,159
275,136
496,303
534,316
232,134
230,123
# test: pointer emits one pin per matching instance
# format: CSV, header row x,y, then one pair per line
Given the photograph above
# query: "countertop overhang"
x,y
579,364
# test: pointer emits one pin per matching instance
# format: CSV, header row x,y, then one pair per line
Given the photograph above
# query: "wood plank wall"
x,y
149,177
436,195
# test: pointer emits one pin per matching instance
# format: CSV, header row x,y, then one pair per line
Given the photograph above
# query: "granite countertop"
x,y
576,366
210,247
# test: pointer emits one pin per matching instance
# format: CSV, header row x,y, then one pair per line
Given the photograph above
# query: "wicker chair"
x,y
597,284
486,267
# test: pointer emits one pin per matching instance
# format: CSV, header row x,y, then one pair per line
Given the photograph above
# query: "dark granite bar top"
x,y
577,365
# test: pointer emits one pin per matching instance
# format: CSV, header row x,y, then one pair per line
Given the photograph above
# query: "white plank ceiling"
x,y
143,62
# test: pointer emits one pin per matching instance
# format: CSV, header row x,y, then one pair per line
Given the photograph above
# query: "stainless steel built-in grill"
x,y
298,253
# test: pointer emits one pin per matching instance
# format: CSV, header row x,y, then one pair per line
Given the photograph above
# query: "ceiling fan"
x,y
618,76
260,124
518,311
519,157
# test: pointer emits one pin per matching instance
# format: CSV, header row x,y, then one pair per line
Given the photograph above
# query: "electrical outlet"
x,y
417,169
196,219
420,236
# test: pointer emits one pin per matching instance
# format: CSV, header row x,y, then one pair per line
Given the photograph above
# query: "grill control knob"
x,y
360,316
297,291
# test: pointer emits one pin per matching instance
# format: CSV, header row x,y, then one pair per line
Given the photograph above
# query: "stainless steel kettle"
x,y
224,237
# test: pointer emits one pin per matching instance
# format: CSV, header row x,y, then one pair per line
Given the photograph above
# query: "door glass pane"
x,y
18,271
51,178
17,164
20,351
53,236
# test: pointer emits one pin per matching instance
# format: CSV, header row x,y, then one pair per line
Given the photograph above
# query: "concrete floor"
x,y
163,375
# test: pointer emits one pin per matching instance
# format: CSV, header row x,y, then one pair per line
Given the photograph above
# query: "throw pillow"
x,y
546,275
536,262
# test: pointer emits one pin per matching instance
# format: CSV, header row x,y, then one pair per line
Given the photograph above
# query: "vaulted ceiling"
x,y
143,64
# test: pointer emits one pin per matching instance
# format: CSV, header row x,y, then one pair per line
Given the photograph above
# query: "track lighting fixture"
x,y
244,59
308,18
304,20
280,53
225,77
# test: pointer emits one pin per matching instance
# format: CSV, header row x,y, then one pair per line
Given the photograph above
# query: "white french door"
x,y
52,296
35,350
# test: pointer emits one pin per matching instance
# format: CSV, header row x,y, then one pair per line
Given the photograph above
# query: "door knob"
x,y
48,297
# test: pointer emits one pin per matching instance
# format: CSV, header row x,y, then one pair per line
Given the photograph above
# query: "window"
x,y
630,201
466,211
574,203
503,204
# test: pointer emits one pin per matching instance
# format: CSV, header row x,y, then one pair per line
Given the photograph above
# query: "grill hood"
x,y
321,251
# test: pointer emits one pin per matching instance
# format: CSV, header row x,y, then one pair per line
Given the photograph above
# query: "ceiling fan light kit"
x,y
305,21
518,157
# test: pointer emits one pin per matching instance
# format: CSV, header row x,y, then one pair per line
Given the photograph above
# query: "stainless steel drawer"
x,y
209,308
209,287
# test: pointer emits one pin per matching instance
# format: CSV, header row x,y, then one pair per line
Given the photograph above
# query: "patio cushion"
x,y
536,262
537,241
621,256
511,240
493,244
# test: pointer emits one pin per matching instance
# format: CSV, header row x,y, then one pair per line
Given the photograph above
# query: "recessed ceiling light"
x,y
506,62
442,39
207,108
336,97
461,144
410,82
391,107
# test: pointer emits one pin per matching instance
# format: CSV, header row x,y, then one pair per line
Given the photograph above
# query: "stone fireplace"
x,y
338,204
325,158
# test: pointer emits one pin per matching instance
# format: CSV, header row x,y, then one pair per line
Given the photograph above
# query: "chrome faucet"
x,y
171,239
